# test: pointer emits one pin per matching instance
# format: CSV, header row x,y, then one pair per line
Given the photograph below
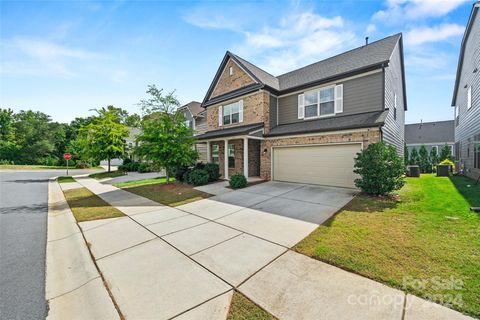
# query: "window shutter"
x,y
301,106
339,98
220,116
240,111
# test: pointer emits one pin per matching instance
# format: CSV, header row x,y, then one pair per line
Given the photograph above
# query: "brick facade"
x,y
227,82
253,157
367,137
255,110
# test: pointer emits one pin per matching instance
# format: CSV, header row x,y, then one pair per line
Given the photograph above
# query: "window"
x,y
187,123
231,113
231,70
215,153
469,97
231,155
320,102
395,106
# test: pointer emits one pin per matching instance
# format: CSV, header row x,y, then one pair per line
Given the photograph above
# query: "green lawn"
x,y
241,308
65,179
103,175
142,182
87,206
172,194
429,234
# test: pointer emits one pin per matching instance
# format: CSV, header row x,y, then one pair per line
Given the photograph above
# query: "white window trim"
x,y
215,146
318,116
240,111
469,97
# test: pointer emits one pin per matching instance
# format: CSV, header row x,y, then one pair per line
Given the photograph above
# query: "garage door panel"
x,y
327,164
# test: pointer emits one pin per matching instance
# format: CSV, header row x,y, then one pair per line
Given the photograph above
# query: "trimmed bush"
x,y
197,177
179,173
238,181
213,171
380,169
144,167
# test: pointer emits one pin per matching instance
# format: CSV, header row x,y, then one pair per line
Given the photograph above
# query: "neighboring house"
x,y
431,135
195,118
466,98
306,125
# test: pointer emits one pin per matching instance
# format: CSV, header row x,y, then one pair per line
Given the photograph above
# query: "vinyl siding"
x,y
273,111
200,125
394,130
363,94
469,120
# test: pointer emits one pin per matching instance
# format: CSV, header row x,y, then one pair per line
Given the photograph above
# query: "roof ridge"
x,y
429,122
238,57
342,53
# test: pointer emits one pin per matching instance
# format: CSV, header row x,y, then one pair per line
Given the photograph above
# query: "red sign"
x,y
67,156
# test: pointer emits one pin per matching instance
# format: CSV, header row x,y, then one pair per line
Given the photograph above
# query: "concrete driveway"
x,y
183,262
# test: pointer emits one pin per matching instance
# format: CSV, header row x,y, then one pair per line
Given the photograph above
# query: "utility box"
x,y
413,171
443,170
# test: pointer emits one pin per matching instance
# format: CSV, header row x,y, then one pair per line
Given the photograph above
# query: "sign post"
x,y
67,156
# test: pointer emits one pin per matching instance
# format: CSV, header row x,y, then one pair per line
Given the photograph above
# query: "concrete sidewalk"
x,y
184,262
74,288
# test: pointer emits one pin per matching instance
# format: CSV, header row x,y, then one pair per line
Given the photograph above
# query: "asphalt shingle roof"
x,y
430,132
361,120
239,130
359,58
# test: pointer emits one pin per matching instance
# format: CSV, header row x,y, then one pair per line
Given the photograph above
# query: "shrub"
x,y
179,173
237,181
82,164
447,162
127,161
6,162
199,165
198,177
213,171
380,169
144,167
129,166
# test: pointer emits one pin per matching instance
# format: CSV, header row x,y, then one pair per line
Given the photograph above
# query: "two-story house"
x,y
306,125
195,118
466,99
432,135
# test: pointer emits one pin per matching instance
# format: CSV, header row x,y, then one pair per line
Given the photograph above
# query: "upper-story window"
x,y
320,102
232,113
469,97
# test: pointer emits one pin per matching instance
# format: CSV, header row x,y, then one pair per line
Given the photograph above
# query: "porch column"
x,y
226,160
209,158
245,157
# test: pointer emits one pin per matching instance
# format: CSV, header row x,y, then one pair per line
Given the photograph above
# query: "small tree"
x,y
104,137
446,153
380,168
165,139
425,164
414,159
406,156
434,156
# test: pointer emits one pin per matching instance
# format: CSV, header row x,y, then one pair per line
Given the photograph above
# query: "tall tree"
x,y
434,156
445,153
406,156
104,137
425,165
414,159
165,139
8,146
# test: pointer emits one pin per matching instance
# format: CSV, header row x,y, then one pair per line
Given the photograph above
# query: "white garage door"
x,y
330,165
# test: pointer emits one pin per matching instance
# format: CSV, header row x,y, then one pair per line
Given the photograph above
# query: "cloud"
x,y
398,11
40,57
296,39
371,28
419,36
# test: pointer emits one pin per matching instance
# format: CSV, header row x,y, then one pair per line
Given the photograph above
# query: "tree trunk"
x,y
108,164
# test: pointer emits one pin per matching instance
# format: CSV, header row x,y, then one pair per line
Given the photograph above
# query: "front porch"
x,y
235,155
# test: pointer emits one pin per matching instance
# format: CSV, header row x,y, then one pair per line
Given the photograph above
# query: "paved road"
x,y
23,226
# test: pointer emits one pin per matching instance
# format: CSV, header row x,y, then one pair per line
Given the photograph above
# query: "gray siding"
x,y
360,95
469,120
200,125
394,129
273,111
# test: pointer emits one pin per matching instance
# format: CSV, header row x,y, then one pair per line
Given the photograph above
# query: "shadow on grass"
x,y
468,189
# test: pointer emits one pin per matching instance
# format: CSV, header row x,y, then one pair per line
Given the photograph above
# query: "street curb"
x,y
74,288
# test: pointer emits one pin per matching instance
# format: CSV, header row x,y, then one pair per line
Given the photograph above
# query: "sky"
x,y
66,58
